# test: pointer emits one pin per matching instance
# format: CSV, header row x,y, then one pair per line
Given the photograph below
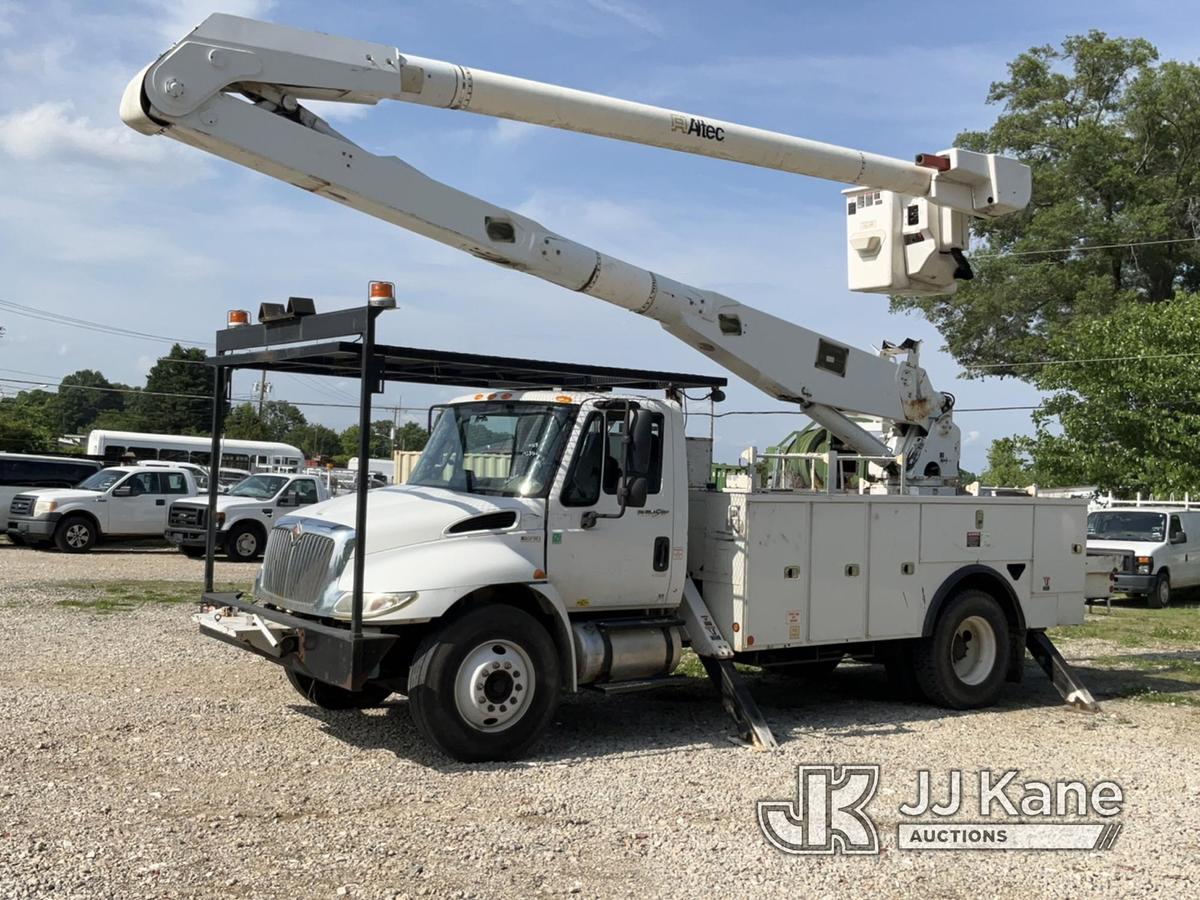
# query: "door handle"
x,y
662,554
160,502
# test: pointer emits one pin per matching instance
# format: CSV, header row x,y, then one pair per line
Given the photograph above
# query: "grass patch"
x,y
1129,626
115,597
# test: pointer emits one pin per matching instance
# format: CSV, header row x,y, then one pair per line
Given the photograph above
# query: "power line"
x,y
1085,248
1094,359
87,325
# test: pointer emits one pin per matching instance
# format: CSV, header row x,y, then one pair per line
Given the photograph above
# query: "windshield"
x,y
102,480
504,449
1127,526
260,487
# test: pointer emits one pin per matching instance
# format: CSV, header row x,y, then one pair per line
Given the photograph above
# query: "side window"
x,y
113,453
1176,527
143,453
612,474
174,483
143,483
582,487
173,455
306,492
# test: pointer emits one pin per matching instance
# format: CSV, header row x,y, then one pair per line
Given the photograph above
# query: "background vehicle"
x,y
21,472
548,537
384,468
245,514
118,502
199,473
1163,544
265,456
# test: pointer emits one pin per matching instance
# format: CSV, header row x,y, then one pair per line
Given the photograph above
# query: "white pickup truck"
x,y
244,515
121,502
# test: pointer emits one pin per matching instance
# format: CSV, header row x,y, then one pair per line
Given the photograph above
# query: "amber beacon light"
x,y
381,295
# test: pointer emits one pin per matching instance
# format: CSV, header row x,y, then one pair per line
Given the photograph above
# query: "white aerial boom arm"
x,y
189,94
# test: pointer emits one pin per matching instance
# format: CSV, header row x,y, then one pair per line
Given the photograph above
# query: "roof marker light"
x,y
237,317
381,294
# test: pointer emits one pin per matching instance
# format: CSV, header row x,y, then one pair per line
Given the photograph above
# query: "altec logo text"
x,y
698,127
829,814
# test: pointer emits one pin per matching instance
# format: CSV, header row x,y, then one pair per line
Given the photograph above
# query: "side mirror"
x,y
288,499
633,492
1180,537
641,440
123,490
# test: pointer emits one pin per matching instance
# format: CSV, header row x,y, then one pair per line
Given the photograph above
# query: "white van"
x,y
23,471
1163,541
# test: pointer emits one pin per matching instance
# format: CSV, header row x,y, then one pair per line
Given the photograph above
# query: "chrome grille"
x,y
297,570
21,505
187,516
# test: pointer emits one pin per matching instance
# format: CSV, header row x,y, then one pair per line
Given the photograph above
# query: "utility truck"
x,y
550,538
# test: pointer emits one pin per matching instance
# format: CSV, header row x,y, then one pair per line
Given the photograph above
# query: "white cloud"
x,y
507,132
178,17
630,14
52,132
971,437
8,12
337,112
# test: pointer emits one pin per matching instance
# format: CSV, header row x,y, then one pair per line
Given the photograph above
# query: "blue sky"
x,y
104,224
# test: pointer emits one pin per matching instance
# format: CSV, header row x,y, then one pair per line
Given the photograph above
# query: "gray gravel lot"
x,y
137,759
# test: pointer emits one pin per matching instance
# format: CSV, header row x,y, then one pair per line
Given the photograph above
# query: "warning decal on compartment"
x,y
794,624
973,538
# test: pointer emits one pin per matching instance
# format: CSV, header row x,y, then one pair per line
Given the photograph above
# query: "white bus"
x,y
254,456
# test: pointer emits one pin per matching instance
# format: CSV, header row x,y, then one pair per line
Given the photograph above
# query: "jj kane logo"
x,y
829,814
698,127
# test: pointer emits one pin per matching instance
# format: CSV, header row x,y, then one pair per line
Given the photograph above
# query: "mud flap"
x,y
1062,676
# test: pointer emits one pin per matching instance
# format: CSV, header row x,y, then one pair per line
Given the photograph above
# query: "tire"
x,y
76,534
329,696
244,543
465,677
16,540
192,552
1160,596
814,671
962,664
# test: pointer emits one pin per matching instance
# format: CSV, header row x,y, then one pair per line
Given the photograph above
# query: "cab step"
x,y
640,684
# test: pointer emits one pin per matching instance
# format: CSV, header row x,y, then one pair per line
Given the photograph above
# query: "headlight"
x,y
220,519
44,507
1144,565
374,604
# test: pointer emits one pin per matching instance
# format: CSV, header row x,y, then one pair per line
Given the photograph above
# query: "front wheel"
x,y
1160,595
962,664
485,686
330,696
243,543
75,534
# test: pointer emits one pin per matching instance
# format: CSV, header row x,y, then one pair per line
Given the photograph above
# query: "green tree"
x,y
411,436
1008,464
381,439
83,396
1126,415
1112,137
178,394
315,440
281,418
245,424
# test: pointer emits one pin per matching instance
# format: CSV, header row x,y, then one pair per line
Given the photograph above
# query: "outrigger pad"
x,y
736,699
1062,676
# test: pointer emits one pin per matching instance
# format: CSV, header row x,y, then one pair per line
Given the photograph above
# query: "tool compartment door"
x,y
838,589
894,608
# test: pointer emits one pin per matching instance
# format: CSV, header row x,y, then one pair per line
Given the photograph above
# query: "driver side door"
x,y
137,505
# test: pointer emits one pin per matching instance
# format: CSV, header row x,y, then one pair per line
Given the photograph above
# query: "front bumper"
x,y
328,653
191,537
1133,584
34,527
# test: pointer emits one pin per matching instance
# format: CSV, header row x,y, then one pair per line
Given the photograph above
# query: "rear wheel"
x,y
485,686
962,664
192,552
329,696
76,534
1160,596
244,543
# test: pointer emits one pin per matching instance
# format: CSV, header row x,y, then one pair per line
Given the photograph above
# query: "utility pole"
x,y
262,391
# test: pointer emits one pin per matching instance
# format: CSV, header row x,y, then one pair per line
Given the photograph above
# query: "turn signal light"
x,y
238,317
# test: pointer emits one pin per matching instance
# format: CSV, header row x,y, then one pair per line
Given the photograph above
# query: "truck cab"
x,y
1162,541
118,502
245,514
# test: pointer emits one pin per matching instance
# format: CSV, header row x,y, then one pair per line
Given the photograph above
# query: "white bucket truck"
x,y
549,539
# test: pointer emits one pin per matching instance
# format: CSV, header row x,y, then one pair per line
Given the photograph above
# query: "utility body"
x,y
550,537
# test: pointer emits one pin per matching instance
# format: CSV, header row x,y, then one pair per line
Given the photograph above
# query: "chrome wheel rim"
x,y
1164,592
973,650
247,544
78,536
494,685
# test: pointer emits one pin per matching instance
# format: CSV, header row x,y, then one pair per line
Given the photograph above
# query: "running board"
x,y
641,684
1062,676
736,699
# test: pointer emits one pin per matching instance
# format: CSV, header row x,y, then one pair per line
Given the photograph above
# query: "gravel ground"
x,y
138,759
